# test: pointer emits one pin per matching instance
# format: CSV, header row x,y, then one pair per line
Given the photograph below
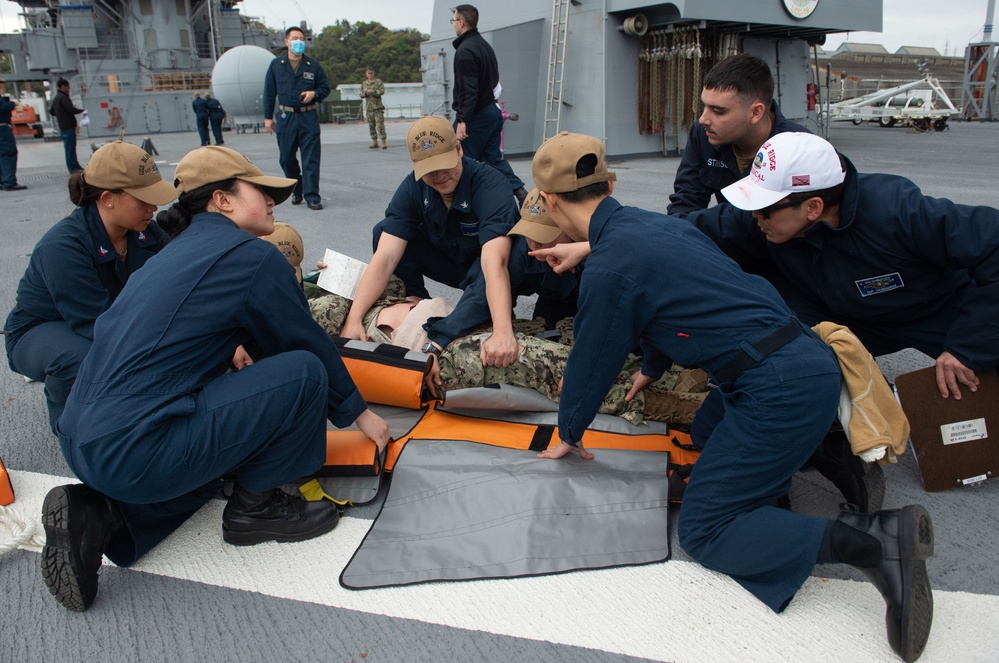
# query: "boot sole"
x,y
874,485
252,538
915,537
59,572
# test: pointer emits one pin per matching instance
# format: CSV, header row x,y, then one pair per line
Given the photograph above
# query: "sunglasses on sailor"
x,y
765,212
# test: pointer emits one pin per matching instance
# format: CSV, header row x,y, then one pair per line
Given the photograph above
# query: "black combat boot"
x,y
891,548
273,515
79,522
862,484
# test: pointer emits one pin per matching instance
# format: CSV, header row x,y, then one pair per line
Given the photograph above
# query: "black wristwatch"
x,y
431,349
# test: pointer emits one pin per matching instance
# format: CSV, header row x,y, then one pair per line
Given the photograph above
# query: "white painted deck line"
x,y
676,611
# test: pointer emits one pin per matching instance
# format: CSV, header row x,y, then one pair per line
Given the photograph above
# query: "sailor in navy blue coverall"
x,y
8,145
528,276
299,84
155,418
899,268
201,117
449,222
81,264
444,243
707,312
73,276
778,383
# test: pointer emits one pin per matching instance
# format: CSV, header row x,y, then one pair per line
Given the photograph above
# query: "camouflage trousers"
x,y
376,123
539,365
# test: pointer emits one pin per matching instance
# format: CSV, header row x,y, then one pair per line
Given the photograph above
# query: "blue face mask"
x,y
297,46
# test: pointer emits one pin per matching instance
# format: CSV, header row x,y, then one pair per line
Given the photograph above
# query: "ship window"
x,y
152,43
146,7
182,8
185,39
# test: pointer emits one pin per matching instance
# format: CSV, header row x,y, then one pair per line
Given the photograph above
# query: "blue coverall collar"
x,y
212,217
607,206
104,250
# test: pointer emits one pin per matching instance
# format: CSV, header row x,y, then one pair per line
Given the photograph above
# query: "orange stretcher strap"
x,y
440,425
387,374
349,453
6,489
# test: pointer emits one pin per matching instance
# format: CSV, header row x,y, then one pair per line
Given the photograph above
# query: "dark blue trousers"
x,y
483,142
423,259
756,433
297,132
69,146
266,423
216,122
202,122
50,353
8,158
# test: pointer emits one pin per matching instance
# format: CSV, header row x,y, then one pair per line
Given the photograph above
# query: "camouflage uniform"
x,y
539,366
374,109
330,310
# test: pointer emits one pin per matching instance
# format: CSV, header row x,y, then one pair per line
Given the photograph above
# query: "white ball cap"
x,y
787,163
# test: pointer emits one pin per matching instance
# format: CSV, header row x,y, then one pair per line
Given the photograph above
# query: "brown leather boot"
x,y
384,144
674,407
374,145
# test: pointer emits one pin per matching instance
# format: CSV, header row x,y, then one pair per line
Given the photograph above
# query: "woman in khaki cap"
x,y
156,418
81,264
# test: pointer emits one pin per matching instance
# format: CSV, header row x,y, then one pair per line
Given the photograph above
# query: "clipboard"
x,y
956,442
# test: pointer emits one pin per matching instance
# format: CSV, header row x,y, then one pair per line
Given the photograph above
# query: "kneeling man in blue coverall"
x,y
779,386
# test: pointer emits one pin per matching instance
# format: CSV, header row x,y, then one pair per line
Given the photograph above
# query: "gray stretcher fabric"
x,y
458,510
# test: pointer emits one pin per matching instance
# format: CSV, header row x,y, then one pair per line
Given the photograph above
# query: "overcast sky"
x,y
947,25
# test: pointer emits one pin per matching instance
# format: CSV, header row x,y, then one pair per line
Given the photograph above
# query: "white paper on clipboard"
x,y
341,275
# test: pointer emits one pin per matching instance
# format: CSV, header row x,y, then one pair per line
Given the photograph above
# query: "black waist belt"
x,y
301,109
765,346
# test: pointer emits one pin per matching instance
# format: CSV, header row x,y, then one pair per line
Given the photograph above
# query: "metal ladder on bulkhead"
x,y
556,68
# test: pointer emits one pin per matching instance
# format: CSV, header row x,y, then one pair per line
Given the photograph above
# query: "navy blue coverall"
x,y
201,117
8,146
215,115
901,269
527,277
155,418
777,406
706,169
476,74
297,124
444,243
73,276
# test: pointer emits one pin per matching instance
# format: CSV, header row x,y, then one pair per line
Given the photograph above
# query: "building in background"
x,y
129,62
628,71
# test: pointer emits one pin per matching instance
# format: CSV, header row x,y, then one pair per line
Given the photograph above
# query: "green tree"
x,y
346,50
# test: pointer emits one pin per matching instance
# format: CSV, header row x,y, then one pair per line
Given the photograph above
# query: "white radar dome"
x,y
238,83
